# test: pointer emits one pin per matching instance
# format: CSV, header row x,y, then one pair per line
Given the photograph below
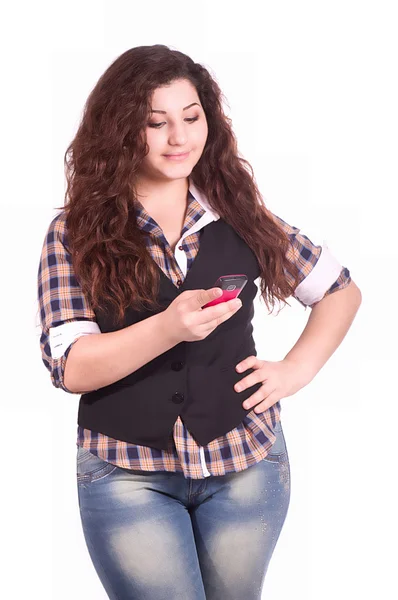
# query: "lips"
x,y
178,154
177,157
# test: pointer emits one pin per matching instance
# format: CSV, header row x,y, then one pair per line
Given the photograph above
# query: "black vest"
x,y
193,380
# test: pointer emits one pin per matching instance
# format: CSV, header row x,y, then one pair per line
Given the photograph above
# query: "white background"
x,y
312,91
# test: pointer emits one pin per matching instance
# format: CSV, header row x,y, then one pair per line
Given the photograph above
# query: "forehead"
x,y
174,96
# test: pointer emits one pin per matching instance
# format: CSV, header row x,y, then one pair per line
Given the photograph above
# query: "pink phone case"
x,y
231,285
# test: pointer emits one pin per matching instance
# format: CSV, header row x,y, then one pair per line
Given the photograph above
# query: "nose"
x,y
178,136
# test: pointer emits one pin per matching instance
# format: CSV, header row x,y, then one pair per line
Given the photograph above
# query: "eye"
x,y
157,125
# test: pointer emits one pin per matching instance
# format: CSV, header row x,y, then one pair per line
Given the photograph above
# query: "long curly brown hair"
x,y
108,251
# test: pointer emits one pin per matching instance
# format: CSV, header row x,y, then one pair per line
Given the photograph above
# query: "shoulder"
x,y
56,232
291,230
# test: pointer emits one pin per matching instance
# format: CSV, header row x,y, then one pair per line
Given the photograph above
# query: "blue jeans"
x,y
160,536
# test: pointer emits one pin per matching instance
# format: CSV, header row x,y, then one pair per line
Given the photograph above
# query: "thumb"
x,y
206,296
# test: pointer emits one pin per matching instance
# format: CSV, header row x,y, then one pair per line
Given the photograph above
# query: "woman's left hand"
x,y
280,379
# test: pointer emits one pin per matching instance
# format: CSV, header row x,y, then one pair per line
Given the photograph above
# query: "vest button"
x,y
179,282
177,398
177,366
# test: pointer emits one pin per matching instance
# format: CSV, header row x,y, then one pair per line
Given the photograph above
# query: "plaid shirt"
x,y
65,315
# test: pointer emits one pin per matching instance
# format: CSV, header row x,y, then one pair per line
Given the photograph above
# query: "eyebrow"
x,y
185,108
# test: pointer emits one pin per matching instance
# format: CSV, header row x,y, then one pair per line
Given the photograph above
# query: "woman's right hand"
x,y
186,321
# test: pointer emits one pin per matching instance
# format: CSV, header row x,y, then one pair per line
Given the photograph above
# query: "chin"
x,y
178,169
179,175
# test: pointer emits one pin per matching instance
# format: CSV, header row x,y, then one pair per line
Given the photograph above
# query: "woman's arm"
x,y
98,360
327,325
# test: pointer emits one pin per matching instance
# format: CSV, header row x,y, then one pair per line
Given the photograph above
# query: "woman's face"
x,y
177,125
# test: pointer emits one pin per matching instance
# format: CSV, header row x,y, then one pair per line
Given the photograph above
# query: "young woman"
x,y
183,474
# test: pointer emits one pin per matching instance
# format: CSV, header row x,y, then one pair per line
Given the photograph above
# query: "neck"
x,y
157,195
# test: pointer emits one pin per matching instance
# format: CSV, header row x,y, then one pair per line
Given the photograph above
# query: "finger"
x,y
205,296
215,315
262,407
247,363
255,398
248,381
267,402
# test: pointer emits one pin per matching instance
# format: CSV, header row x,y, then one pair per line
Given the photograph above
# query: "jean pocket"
x,y
90,467
278,451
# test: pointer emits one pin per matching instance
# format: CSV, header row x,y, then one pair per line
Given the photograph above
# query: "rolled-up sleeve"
x,y
320,272
64,312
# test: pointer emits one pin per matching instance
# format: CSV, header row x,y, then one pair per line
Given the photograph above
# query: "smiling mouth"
x,y
179,156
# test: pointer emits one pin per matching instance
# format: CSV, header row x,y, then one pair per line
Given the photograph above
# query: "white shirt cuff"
x,y
61,336
325,272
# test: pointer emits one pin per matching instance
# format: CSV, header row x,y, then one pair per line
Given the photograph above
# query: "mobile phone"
x,y
231,285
